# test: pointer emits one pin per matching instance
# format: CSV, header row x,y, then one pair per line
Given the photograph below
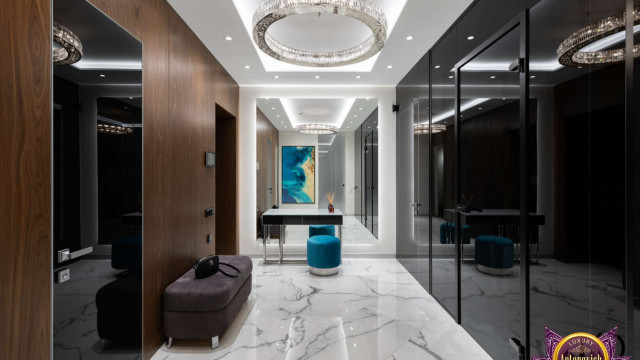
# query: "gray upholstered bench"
x,y
205,308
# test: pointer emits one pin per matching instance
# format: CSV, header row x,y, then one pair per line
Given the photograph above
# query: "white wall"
x,y
350,168
386,96
292,138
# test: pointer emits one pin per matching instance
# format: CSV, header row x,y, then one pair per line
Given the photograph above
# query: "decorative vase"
x,y
331,208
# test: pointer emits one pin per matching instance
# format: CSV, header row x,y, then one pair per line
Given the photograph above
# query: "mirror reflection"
x,y
319,154
97,186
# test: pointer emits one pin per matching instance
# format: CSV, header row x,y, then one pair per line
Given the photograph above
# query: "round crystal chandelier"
x,y
365,11
569,51
316,129
70,50
419,129
114,129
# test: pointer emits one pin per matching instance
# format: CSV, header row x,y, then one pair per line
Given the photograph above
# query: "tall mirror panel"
x,y
577,279
97,186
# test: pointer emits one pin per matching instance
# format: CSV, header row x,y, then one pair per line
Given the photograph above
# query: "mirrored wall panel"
x,y
319,153
97,186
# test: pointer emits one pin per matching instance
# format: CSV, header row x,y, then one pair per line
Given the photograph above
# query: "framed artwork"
x,y
298,174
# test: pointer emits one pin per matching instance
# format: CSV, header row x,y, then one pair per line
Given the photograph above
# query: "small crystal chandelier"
x,y
114,129
365,11
70,50
420,129
316,129
569,53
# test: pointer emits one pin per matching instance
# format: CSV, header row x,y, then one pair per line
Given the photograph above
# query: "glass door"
x,y
487,224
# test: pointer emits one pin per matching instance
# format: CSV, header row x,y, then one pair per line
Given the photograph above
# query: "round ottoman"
x,y
494,255
323,255
322,230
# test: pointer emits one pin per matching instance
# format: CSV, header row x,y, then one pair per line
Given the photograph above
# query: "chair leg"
x,y
169,343
215,342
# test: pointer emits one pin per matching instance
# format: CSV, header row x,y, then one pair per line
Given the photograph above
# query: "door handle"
x,y
66,255
416,205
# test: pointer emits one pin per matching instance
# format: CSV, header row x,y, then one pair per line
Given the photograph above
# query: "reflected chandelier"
x,y
569,53
420,129
70,50
316,129
114,129
365,11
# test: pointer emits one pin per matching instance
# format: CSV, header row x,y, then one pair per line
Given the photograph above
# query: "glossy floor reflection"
x,y
353,232
374,309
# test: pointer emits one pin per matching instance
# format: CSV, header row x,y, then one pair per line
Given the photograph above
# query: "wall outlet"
x,y
209,238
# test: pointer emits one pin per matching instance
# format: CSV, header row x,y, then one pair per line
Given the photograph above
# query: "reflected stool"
x,y
494,255
323,255
448,233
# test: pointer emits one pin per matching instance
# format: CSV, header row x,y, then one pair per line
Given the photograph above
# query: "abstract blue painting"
x,y
298,174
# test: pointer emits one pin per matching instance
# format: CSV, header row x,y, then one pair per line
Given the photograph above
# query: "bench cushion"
x,y
188,294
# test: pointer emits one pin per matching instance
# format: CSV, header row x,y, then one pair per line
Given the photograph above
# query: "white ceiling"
x,y
346,113
212,21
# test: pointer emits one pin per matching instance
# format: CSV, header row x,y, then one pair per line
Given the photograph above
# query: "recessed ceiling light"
x,y
347,127
281,122
350,122
368,99
504,98
533,76
358,77
409,37
493,76
276,77
360,108
273,108
437,66
479,108
355,115
389,66
267,98
247,67
317,76
228,38
471,37
374,122
450,76
130,97
103,75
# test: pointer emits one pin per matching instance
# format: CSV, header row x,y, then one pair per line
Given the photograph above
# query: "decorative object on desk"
x,y
330,197
465,202
298,174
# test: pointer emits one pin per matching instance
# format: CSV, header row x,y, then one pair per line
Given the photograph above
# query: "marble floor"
x,y
75,334
353,232
373,309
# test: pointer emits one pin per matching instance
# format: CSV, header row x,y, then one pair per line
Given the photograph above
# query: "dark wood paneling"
x,y
182,82
265,131
226,209
25,180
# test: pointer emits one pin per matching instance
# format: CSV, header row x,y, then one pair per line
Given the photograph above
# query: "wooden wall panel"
x,y
181,83
25,180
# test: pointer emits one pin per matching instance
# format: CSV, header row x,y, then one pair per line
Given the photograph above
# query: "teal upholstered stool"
x,y
494,255
448,233
323,255
322,230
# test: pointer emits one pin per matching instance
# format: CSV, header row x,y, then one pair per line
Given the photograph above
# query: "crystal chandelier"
x,y
569,53
419,129
70,50
317,129
365,11
114,129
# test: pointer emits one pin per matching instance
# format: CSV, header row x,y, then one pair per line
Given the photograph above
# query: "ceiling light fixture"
x,y
276,77
114,129
471,37
358,77
579,49
409,37
228,38
437,66
102,75
493,76
389,67
316,129
273,108
71,47
365,11
317,76
247,67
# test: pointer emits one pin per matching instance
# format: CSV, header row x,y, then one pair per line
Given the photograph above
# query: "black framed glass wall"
x,y
567,159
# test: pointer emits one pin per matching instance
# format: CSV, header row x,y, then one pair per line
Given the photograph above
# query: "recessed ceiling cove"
x,y
365,12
